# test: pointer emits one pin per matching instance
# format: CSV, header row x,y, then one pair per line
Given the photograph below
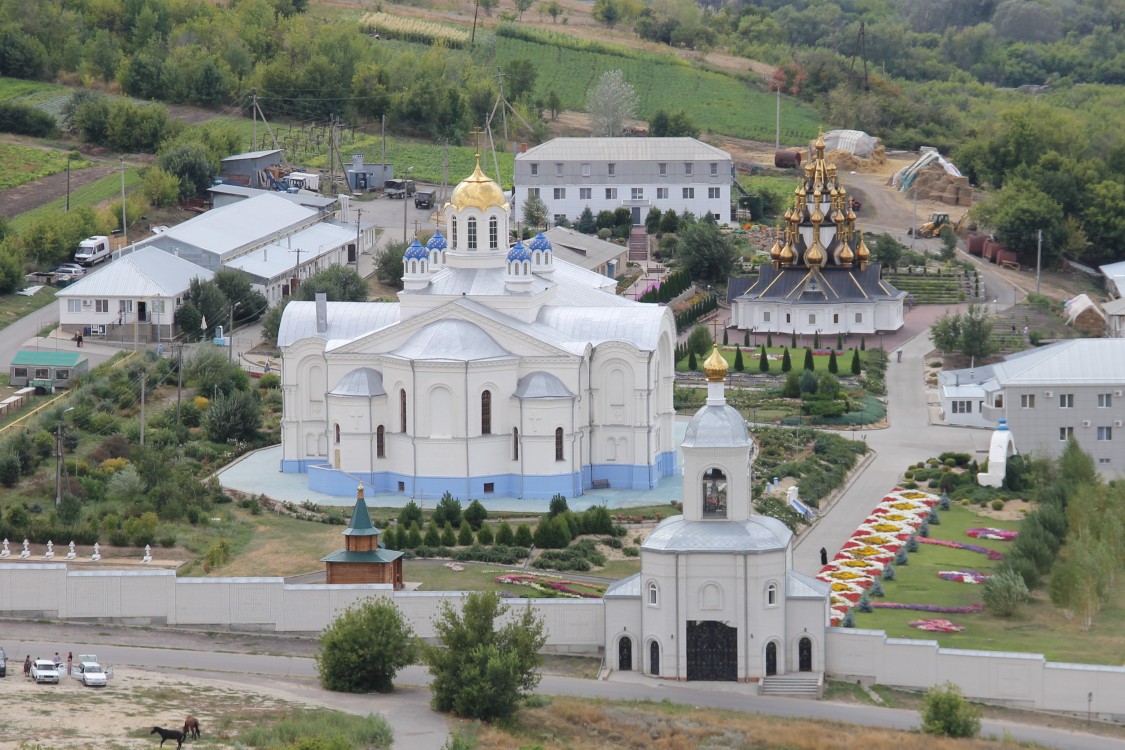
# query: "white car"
x,y
91,674
44,670
71,268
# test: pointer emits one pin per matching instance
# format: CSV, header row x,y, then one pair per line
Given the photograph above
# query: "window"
x,y
402,486
560,218
1066,400
124,305
489,488
515,444
1105,400
1105,434
380,442
638,194
74,305
533,191
486,413
19,372
402,409
859,317
63,374
999,403
689,193
1066,433
101,305
585,170
536,190
472,233
337,434
835,317
961,407
788,318
585,193
771,595
560,193
653,594
714,193
1103,460
558,169
611,194
663,167
42,373
493,234
661,193
534,168
714,168
559,445
812,320
158,304
612,169
714,494
688,167
1027,401
765,317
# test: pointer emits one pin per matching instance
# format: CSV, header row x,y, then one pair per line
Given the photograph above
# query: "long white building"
x,y
677,174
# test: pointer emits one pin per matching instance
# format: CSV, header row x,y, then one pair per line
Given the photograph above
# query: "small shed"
x,y
363,176
1115,318
249,168
364,559
46,369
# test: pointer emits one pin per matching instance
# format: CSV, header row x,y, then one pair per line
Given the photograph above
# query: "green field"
x,y
24,164
1040,628
29,92
104,189
425,159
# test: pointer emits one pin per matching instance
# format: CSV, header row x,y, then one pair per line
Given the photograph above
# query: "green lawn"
x,y
1040,628
13,306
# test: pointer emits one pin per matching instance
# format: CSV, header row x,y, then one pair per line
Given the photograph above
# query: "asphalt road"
x,y
416,726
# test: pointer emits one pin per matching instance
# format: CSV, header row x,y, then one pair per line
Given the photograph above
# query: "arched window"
x,y
559,445
337,434
538,255
493,234
402,409
515,444
413,266
486,413
714,493
422,264
771,595
455,235
472,233
380,443
654,659
653,594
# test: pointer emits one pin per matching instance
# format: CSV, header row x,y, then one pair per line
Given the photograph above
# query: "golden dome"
x,y
477,191
845,256
775,251
715,366
815,255
788,254
862,254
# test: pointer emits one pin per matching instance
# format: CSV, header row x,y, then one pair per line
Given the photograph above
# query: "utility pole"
x,y
179,383
777,127
914,221
384,164
358,213
1038,259
254,112
68,181
296,272
124,224
143,376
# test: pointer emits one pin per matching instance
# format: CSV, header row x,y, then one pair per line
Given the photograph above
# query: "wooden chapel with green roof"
x,y
363,559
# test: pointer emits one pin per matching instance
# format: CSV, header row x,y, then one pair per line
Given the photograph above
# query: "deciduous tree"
x,y
610,103
365,647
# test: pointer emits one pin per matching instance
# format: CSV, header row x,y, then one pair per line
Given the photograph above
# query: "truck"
x,y
93,250
398,188
303,181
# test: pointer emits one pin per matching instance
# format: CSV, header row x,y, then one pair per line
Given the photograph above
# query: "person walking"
x,y
69,661
27,666
823,556
58,661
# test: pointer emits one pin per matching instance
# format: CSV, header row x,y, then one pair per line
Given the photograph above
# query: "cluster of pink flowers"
x,y
990,553
963,576
542,582
873,546
987,532
936,626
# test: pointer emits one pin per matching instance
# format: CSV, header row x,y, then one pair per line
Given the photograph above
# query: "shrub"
x,y
945,712
168,541
504,534
448,510
998,504
865,604
476,514
876,589
485,536
365,647
943,503
523,536
924,529
889,573
934,518
448,536
552,533
410,514
1004,593
848,621
901,558
464,534
557,506
432,538
631,551
499,554
912,543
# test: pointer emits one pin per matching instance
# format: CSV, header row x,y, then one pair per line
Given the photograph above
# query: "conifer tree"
x,y
792,339
504,534
809,364
746,339
855,362
448,536
816,340
769,339
724,337
465,535
839,342
691,363
863,343
832,366
786,363
413,537
763,361
484,536
432,537
739,366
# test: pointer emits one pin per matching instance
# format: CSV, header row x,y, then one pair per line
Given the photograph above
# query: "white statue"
x,y
26,552
148,554
97,552
50,549
70,551
5,552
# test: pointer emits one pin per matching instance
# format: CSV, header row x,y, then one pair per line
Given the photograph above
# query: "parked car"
x,y
71,268
3,663
91,674
44,670
424,199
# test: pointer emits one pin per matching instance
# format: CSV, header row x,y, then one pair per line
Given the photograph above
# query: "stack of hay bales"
x,y
849,162
935,184
1085,315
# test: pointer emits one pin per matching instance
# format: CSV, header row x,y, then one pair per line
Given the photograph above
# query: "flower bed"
x,y
963,576
987,532
991,553
968,609
873,546
936,626
553,585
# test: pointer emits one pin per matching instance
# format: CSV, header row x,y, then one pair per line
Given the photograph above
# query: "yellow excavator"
x,y
938,219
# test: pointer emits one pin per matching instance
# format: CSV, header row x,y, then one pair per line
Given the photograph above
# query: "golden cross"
x,y
477,132
715,328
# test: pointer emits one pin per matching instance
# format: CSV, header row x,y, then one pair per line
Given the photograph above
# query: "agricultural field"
x,y
24,164
29,92
425,160
97,192
414,30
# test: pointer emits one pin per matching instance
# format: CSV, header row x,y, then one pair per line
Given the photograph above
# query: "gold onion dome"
x,y
477,191
815,256
715,366
862,254
787,254
775,251
819,145
845,256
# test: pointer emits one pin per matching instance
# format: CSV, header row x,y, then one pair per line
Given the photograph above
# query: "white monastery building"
x,y
717,597
821,278
501,370
678,174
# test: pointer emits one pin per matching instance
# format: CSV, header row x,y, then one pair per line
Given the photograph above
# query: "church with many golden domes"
x,y
821,278
500,371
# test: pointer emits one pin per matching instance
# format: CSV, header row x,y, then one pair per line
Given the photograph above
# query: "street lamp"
x,y
404,202
59,460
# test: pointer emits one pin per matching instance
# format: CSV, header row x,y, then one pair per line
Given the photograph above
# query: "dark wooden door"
x,y
712,651
625,654
771,658
804,654
654,659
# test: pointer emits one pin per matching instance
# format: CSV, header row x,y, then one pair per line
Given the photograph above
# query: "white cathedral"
x,y
500,371
717,597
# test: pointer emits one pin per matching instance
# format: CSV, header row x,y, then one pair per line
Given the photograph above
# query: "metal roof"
x,y
542,385
452,340
362,381
227,229
638,324
754,535
276,259
252,155
717,426
1115,307
801,586
301,199
583,250
476,282
346,320
625,588
374,556
47,359
623,149
1115,276
146,272
834,285
1074,362
361,521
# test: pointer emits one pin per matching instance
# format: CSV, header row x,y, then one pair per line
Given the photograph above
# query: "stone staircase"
x,y
638,244
798,685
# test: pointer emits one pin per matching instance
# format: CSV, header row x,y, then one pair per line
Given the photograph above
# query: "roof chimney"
x,y
321,313
345,212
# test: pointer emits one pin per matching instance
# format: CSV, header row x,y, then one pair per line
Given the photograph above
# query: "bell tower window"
x,y
472,233
493,234
455,234
714,494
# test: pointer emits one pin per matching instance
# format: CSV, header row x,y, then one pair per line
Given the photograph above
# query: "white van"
x,y
93,250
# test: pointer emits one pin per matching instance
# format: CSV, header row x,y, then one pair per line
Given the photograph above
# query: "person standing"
x,y
823,556
69,662
58,661
27,666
